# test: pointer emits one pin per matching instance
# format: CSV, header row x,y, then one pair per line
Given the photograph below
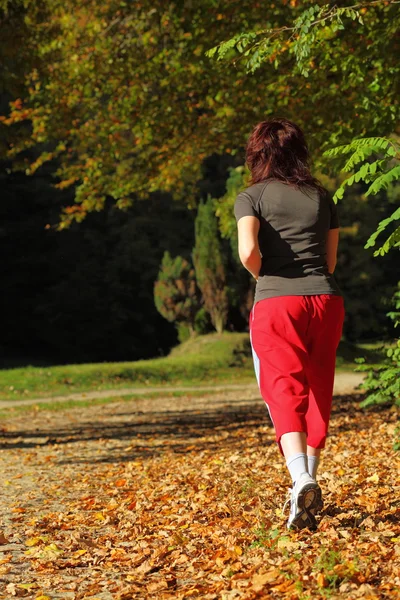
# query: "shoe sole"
x,y
308,499
318,508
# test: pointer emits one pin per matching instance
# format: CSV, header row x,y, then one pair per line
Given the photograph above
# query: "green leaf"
x,y
382,226
384,180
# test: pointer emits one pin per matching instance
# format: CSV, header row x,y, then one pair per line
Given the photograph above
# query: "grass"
x,y
209,359
205,360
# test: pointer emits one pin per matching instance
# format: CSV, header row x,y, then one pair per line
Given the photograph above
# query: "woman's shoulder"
x,y
255,190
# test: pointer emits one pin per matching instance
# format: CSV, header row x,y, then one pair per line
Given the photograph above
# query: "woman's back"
x,y
292,238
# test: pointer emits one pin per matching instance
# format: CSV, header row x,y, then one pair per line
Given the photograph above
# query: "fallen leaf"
x,y
3,539
34,541
157,586
261,579
120,483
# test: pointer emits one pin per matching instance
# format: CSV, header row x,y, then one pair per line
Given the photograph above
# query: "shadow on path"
x,y
151,428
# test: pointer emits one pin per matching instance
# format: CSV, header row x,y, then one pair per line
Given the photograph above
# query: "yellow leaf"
x,y
373,479
27,586
341,472
79,552
52,548
238,550
99,516
43,598
34,541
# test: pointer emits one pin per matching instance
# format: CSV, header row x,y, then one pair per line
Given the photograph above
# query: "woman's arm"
x,y
249,251
332,242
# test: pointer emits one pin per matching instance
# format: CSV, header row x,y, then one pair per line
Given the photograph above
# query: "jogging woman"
x,y
288,237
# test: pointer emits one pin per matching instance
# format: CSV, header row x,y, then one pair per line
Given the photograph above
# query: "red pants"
x,y
294,341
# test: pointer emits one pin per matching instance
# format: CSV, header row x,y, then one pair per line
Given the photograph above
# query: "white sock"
x,y
313,462
297,464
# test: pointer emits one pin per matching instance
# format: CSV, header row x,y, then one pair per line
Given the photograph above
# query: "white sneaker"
x,y
305,499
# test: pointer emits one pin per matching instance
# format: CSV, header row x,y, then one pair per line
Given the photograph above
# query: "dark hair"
x,y
277,149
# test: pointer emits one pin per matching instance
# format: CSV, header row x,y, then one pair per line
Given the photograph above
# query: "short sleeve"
x,y
244,207
334,215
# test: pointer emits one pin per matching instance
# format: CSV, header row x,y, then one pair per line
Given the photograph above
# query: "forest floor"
x,y
175,498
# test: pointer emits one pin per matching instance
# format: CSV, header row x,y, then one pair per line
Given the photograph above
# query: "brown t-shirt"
x,y
292,238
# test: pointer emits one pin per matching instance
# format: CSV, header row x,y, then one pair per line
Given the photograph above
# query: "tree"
x,y
382,382
209,265
175,291
241,283
345,47
379,174
124,98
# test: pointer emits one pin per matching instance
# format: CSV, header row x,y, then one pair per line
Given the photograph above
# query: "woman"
x,y
288,237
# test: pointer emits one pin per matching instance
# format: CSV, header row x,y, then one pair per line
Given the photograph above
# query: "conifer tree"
x,y
175,291
209,265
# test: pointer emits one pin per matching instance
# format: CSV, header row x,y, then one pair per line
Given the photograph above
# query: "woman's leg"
x,y
294,446
294,442
324,335
278,329
313,456
305,496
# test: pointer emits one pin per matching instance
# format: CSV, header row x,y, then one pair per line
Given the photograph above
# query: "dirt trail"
x,y
174,498
345,383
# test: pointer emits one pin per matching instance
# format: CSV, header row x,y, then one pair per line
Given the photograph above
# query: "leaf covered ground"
x,y
182,498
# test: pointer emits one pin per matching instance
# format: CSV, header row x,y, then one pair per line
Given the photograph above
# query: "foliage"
x,y
202,323
122,97
236,182
241,284
329,39
367,284
175,291
382,382
209,265
379,174
123,101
